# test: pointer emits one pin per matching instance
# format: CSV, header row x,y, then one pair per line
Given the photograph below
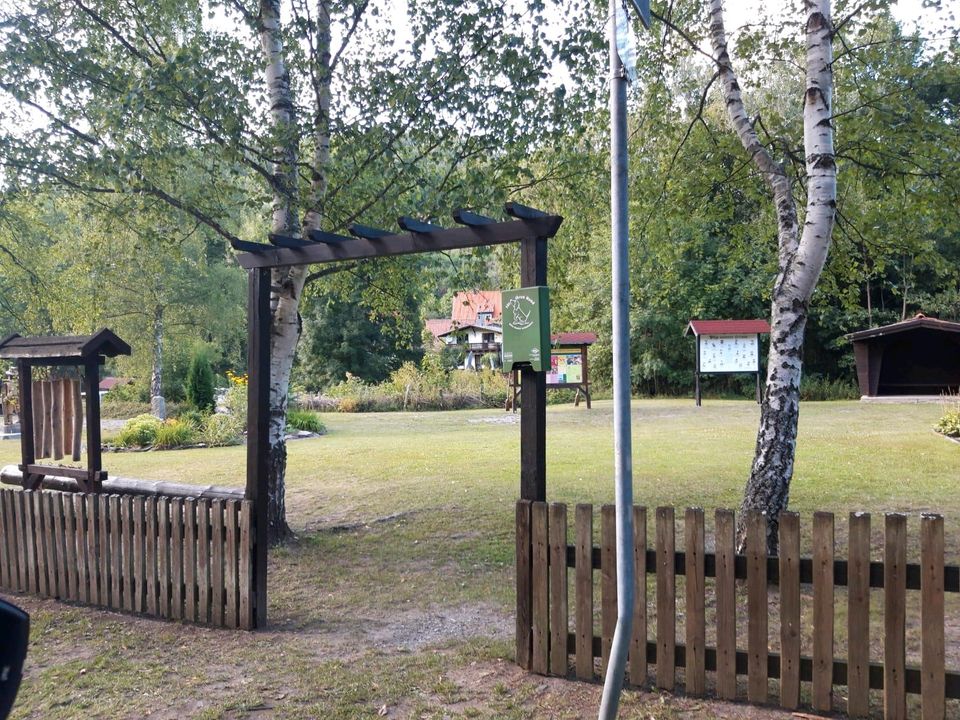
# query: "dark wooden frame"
x,y
514,400
531,228
87,351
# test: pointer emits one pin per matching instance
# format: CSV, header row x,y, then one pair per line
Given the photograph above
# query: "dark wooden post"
x,y
533,389
759,368
28,454
586,374
91,372
258,429
696,374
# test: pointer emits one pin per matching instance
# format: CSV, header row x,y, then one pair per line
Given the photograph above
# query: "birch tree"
x,y
802,253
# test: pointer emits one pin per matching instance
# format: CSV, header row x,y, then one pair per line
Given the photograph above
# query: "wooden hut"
x,y
920,356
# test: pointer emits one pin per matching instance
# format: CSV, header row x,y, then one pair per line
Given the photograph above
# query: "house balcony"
x,y
482,347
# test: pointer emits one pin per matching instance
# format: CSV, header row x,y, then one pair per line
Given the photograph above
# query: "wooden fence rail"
x,y
178,558
545,643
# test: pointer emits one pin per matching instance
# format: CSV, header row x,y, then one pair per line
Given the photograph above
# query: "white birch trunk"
x,y
800,260
287,282
157,404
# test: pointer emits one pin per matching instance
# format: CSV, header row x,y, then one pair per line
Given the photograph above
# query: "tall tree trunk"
x,y
157,405
287,282
800,261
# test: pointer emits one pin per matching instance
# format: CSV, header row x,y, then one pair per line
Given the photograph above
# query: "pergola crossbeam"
x,y
367,232
417,226
471,219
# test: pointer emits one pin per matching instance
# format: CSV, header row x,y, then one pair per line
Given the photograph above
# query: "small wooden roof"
x,y
56,347
920,321
728,327
573,338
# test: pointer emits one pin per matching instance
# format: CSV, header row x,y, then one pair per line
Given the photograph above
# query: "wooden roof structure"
x,y
919,356
727,327
62,349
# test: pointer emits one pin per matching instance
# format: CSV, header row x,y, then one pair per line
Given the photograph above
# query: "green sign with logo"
x,y
526,328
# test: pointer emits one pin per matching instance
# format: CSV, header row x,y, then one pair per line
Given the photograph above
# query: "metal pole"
x,y
623,452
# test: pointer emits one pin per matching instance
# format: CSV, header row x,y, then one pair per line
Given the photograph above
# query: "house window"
x,y
488,338
483,318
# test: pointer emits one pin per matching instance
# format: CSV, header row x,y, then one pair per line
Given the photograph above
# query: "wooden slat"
x,y
56,419
608,583
139,556
176,558
524,638
38,414
584,591
150,511
93,557
756,607
116,554
40,542
666,599
163,556
540,587
894,617
67,413
231,528
932,618
246,566
9,540
216,561
726,589
5,546
77,419
638,636
858,616
70,545
696,619
823,551
80,539
46,392
103,522
190,559
23,540
126,550
203,561
789,610
52,536
559,617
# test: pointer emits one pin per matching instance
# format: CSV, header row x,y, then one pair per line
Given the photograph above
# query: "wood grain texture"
x,y
933,687
138,578
858,616
823,552
894,616
176,558
70,545
231,535
726,589
608,583
150,511
126,549
94,566
203,561
666,599
559,611
757,649
523,558
216,563
584,591
115,551
696,618
638,634
190,560
246,566
163,557
789,610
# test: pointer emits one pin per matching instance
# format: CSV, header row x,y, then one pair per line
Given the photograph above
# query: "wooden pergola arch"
x,y
528,226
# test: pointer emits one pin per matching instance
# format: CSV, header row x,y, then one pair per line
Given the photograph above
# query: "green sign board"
x,y
526,328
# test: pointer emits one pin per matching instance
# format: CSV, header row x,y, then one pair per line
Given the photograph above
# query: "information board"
x,y
729,354
565,368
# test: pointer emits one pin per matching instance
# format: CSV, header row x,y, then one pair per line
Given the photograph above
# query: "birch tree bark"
x,y
801,256
157,404
287,283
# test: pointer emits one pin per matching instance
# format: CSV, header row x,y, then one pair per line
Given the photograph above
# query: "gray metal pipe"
x,y
623,450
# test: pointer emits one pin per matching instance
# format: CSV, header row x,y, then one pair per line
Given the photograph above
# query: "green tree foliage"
x,y
200,387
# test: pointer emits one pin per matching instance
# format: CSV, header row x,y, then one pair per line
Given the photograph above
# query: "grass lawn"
x,y
396,598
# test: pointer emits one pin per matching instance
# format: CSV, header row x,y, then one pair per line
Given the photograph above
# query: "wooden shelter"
x,y
84,351
920,356
529,227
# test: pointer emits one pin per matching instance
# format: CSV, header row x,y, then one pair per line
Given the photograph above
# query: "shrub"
x,y
949,424
816,387
305,420
141,431
348,405
200,382
193,417
173,434
221,429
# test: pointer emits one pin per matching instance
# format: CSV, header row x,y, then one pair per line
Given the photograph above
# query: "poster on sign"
x,y
729,353
565,368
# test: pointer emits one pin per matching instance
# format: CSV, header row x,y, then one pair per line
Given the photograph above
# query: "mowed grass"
x,y
405,523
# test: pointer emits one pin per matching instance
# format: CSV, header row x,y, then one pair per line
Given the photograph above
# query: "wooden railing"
x,y
179,558
545,644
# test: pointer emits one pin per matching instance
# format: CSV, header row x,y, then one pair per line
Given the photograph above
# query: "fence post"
x,y
894,617
932,683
